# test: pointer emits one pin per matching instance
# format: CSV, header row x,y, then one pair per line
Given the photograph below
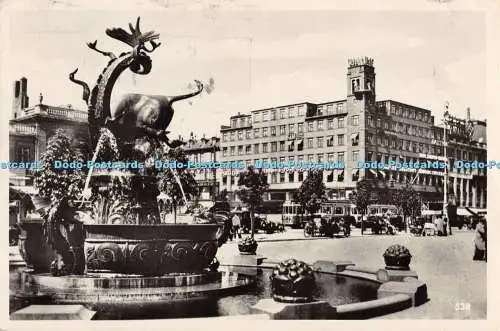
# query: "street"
x,y
445,263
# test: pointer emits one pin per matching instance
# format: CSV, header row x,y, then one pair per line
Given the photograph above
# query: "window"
x,y
369,138
232,136
282,113
265,132
319,111
379,123
330,157
301,111
224,151
301,177
224,180
256,148
329,109
282,130
264,148
256,117
310,143
321,158
355,155
273,115
369,156
310,127
248,149
282,146
355,139
291,128
273,131
291,177
329,141
234,123
340,140
329,124
340,108
249,134
319,142
320,125
240,150
224,137
341,157
265,116
300,128
240,135
310,158
274,147
340,123
282,177
273,178
256,133
242,122
355,120
291,112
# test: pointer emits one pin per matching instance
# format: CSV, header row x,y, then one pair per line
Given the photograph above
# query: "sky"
x,y
257,59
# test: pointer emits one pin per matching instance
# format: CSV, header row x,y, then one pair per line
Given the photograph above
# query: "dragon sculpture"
x,y
137,115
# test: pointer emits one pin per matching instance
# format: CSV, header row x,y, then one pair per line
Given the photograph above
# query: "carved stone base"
x,y
150,249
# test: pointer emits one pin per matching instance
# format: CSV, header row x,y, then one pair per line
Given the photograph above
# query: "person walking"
x,y
236,225
480,241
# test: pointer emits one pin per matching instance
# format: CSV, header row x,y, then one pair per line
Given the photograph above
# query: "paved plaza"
x,y
444,263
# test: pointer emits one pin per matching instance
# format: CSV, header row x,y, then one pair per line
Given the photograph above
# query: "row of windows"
x,y
290,146
272,115
410,113
403,128
281,130
328,109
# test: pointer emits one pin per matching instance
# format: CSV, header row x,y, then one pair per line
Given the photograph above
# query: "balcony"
x,y
362,89
56,112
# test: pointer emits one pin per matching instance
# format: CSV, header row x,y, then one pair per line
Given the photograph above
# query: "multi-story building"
x,y
31,127
351,130
204,150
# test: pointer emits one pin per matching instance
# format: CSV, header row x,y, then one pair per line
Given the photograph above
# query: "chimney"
x,y
468,114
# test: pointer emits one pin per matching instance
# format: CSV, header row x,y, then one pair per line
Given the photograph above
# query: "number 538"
x,y
462,306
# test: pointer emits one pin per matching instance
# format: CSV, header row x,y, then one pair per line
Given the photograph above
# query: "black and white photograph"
x,y
233,159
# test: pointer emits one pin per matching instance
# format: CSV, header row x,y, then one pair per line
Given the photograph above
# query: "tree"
x,y
361,198
312,193
408,201
169,178
254,185
58,183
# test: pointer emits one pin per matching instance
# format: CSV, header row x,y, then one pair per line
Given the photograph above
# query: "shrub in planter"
x,y
293,281
397,257
247,246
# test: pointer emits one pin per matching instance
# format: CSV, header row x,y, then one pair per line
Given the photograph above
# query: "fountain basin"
x,y
150,249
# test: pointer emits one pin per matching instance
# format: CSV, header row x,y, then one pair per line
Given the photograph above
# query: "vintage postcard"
x,y
231,161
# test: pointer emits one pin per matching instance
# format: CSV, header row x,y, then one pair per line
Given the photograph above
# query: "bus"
x,y
343,209
379,210
292,214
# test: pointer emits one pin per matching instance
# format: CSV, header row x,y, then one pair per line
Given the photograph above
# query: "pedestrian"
x,y
439,225
445,226
480,241
236,225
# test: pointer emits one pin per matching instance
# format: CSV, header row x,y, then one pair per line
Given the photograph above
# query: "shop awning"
x,y
431,212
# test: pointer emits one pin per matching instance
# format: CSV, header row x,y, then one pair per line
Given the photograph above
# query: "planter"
x,y
397,262
293,281
32,246
150,249
247,246
397,257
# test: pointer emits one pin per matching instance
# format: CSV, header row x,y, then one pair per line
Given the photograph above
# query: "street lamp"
x,y
446,118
